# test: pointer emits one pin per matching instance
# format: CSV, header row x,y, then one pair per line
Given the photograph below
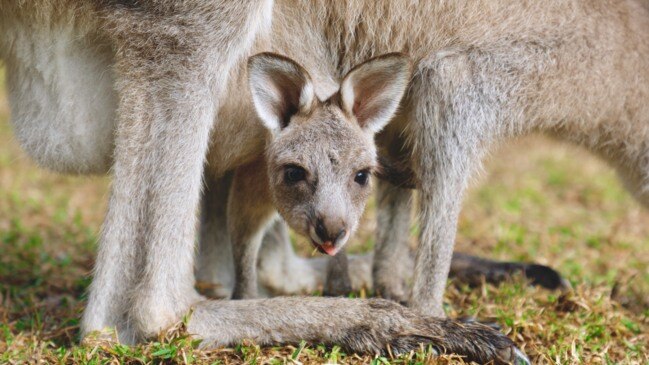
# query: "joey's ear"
x,y
280,88
372,90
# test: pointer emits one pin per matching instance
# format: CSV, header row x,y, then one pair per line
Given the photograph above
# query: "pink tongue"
x,y
329,248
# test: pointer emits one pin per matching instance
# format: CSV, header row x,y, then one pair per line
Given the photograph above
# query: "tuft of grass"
x,y
539,201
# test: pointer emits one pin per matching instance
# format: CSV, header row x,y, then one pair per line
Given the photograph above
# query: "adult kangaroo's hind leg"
x,y
171,59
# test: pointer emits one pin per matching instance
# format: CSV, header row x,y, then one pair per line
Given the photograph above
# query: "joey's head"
x,y
322,153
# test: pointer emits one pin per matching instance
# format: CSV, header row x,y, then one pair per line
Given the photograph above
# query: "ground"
x,y
537,200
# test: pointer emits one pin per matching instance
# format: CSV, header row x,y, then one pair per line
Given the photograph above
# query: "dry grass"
x,y
538,200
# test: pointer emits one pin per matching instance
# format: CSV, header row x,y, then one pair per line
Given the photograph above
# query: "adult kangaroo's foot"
x,y
364,326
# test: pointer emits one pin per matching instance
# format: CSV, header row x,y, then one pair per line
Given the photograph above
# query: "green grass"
x,y
537,200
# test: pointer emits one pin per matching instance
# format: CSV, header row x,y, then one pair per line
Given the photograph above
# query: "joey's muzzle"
x,y
328,237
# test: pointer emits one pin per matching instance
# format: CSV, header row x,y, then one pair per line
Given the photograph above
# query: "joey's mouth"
x,y
330,248
327,248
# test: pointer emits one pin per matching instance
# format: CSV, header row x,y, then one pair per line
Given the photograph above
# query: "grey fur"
x,y
485,71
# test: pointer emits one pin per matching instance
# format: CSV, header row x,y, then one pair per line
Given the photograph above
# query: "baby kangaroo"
x,y
319,159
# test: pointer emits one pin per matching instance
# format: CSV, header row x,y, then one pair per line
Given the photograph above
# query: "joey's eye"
x,y
294,174
362,177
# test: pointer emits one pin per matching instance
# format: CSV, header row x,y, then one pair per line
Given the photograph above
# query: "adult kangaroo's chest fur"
x,y
568,68
61,84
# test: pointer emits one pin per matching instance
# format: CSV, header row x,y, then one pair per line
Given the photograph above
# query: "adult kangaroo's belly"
x,y
61,94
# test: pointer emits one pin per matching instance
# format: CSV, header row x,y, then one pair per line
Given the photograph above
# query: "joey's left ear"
x,y
371,91
280,88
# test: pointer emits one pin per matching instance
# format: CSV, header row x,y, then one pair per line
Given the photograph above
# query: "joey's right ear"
x,y
280,88
371,91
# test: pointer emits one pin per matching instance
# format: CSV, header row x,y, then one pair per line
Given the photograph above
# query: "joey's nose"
x,y
329,232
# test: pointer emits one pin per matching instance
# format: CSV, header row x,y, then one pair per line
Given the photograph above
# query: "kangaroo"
x,y
142,90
